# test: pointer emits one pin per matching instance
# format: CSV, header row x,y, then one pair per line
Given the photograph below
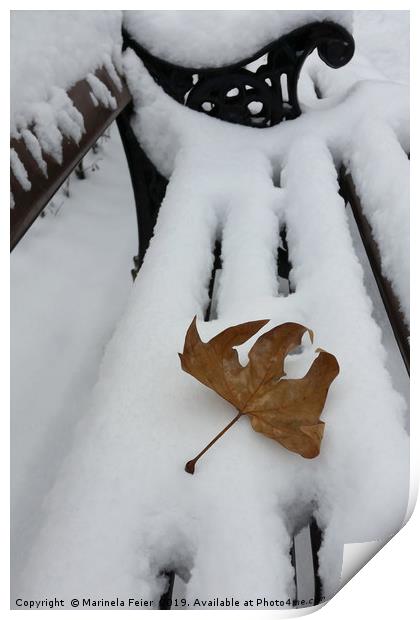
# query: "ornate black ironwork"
x,y
259,91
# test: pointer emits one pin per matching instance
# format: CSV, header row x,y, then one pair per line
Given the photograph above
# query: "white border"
x,y
388,584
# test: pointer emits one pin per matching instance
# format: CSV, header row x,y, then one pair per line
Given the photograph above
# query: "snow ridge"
x,y
381,171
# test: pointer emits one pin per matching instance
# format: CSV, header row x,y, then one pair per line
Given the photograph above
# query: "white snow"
x,y
50,52
381,171
70,280
35,150
382,37
100,93
382,53
19,171
110,67
375,154
55,119
217,37
120,506
57,48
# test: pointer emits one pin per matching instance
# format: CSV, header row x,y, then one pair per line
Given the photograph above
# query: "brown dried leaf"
x,y
287,410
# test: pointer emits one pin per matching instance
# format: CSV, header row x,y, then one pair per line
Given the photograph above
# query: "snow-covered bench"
x,y
227,172
264,98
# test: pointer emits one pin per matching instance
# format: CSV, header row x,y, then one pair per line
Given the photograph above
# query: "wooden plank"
x,y
29,204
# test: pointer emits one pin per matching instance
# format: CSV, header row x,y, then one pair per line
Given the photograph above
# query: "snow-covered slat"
x,y
381,173
358,467
250,237
388,299
394,360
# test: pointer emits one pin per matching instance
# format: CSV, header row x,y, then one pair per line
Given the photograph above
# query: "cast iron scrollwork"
x,y
259,91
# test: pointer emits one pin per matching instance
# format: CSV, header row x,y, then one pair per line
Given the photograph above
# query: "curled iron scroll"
x,y
259,91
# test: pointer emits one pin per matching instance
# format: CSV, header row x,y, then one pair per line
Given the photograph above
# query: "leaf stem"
x,y
190,466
